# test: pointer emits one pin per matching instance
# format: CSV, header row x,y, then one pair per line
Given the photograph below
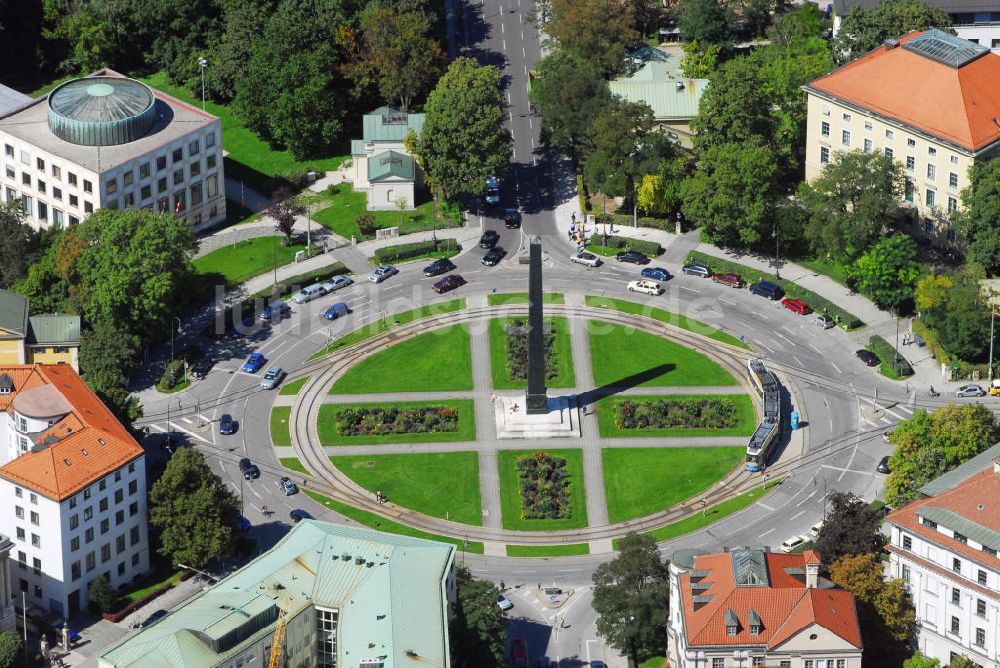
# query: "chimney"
x,y
890,44
812,575
996,465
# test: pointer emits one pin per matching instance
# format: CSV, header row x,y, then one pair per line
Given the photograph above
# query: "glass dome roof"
x,y
101,111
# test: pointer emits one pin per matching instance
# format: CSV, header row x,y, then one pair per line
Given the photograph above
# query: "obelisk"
x,y
537,401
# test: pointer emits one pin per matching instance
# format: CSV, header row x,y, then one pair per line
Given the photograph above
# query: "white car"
x,y
382,273
504,602
272,377
649,287
338,282
814,530
792,544
586,258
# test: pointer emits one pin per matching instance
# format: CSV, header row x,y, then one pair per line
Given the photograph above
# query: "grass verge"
x,y
293,464
563,356
682,321
293,387
568,550
892,364
746,419
329,432
281,435
510,492
246,259
502,298
152,584
346,206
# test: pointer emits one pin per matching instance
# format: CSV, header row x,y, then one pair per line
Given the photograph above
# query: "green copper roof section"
x,y
658,82
389,124
961,524
390,164
357,147
948,480
390,592
13,313
54,330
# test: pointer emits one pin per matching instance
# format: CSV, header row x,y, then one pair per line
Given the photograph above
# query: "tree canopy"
x,y
704,21
735,108
619,135
918,660
865,29
958,314
10,648
977,222
480,635
568,93
595,30
21,246
888,271
885,611
851,527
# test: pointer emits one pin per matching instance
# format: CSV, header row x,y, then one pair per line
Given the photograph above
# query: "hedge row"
x,y
885,352
843,318
647,248
415,249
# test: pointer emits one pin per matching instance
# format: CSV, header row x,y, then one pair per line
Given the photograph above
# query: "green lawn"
x,y
682,321
654,662
152,583
641,481
329,434
294,386
346,206
385,324
835,270
563,351
373,521
499,299
510,494
280,429
567,550
625,356
746,419
293,464
437,361
419,482
248,258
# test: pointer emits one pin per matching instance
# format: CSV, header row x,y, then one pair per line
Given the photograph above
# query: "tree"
x,y
631,594
735,109
704,21
463,140
962,661
699,63
107,358
480,631
884,608
568,94
660,193
932,291
10,648
851,203
758,13
896,610
283,211
366,224
860,574
647,13
618,135
918,660
22,244
963,431
194,510
103,594
865,29
851,527
887,272
977,221
961,318
595,30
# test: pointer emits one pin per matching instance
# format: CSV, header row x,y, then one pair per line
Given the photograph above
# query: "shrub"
x,y
172,375
103,594
544,486
885,352
366,224
415,249
648,248
379,420
517,350
703,413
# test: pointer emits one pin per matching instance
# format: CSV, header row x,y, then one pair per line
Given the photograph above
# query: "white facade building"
x,y
72,489
109,142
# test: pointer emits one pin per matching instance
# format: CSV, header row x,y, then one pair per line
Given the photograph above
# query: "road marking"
x,y
508,97
811,495
816,349
797,515
764,346
782,336
504,41
766,507
766,532
501,32
835,367
686,289
798,362
895,414
726,301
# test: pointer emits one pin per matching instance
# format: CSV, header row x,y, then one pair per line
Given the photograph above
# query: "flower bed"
x,y
544,484
377,421
702,413
517,350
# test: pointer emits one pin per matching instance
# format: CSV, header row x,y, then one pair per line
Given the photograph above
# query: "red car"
x,y
732,280
519,653
796,305
448,283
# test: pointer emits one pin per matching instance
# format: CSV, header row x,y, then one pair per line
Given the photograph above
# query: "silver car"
x,y
588,259
338,282
382,273
970,391
272,377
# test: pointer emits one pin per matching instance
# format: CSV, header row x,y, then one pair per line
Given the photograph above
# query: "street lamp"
x,y
777,259
896,364
172,330
203,63
631,641
434,215
191,568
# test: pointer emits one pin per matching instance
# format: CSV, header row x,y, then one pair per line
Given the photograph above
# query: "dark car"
x,y
632,256
448,283
298,515
153,618
767,290
732,280
867,357
655,273
242,523
883,465
512,219
245,463
697,270
227,425
251,473
489,239
437,267
278,309
288,487
493,256
254,363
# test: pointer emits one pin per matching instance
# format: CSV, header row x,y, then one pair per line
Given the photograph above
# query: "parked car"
x,y
288,487
254,363
697,270
272,378
337,282
298,515
504,602
586,258
867,357
732,280
251,473
825,321
883,465
995,387
814,530
512,219
489,239
492,190
796,305
634,257
793,544
655,273
972,390
382,273
519,652
278,309
493,256
245,463
336,310
227,426
448,283
153,618
648,287
437,267
887,435
768,290
242,523
308,294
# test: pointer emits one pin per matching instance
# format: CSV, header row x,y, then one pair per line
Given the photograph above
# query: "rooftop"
x,y
844,7
390,164
389,591
10,98
54,330
961,473
13,314
390,124
658,82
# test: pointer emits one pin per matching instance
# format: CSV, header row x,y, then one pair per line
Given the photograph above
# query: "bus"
x,y
767,435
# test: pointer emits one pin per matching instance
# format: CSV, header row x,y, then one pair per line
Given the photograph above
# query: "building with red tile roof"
x,y
750,607
75,480
944,546
930,101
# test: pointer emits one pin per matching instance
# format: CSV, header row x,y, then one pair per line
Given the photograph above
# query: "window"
x,y
161,185
928,225
57,193
809,663
8,150
956,565
841,663
931,150
177,155
40,164
144,170
929,197
911,142
931,172
19,512
74,521
213,180
105,526
112,186
990,551
868,145
105,552
210,140
868,126
906,573
210,161
74,544
910,162
120,544
196,168
88,513
88,535
36,540
74,201
90,561
952,205
179,201
785,663
953,180
119,517
145,192
196,194
178,176
26,179
980,607
718,662
104,504
981,577
824,129
847,117
21,535
26,204
129,199
954,625
888,152
731,630
34,520
133,536
845,138
956,596
930,524
25,157
119,494
133,509
41,186
75,570
43,211
754,630
980,637
908,542
162,205
121,568
86,185
194,147
38,591
960,537
11,173
88,207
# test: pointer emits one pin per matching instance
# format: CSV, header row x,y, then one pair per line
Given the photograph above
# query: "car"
x,y
298,515
245,463
867,357
883,465
382,273
251,473
336,310
272,378
489,239
994,387
586,258
887,435
448,283
287,486
493,256
796,306
814,530
337,282
697,270
792,544
634,257
227,425
278,309
492,190
504,602
254,363
825,321
655,273
972,390
153,618
732,280
512,219
519,652
308,294
242,523
438,267
648,287
767,290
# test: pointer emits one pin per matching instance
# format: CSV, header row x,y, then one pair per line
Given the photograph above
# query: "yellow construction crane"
x,y
279,638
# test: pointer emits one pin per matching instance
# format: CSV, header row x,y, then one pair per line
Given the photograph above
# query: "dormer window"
x,y
730,630
754,630
961,539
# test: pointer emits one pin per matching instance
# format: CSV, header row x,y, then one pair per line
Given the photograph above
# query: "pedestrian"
x,y
743,339
493,398
573,218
